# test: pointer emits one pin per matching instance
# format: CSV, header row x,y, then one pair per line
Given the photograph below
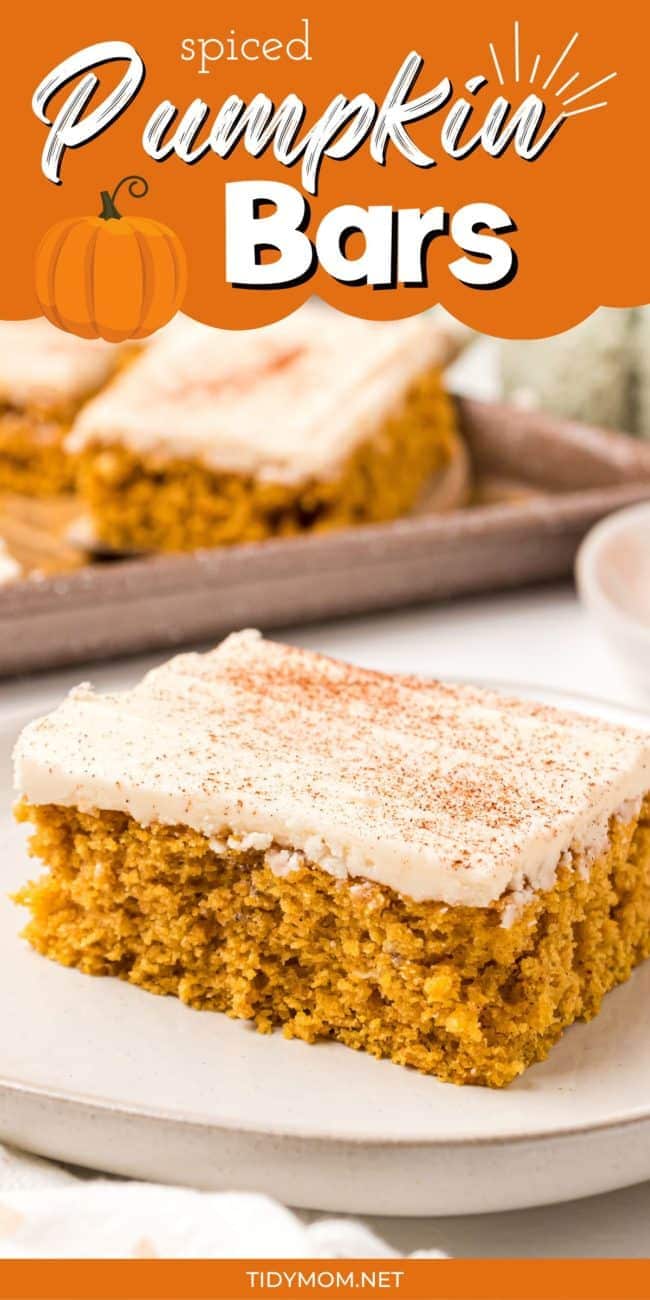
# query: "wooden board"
x,y
36,533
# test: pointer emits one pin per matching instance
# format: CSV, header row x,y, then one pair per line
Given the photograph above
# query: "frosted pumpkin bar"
x,y
432,873
220,436
45,377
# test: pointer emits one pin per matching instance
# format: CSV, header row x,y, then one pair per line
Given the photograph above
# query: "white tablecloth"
x,y
49,1212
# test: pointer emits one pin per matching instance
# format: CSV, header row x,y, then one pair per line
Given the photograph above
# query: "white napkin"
x,y
48,1212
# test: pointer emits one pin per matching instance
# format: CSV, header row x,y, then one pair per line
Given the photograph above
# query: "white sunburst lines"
x,y
547,83
587,91
496,63
558,64
565,85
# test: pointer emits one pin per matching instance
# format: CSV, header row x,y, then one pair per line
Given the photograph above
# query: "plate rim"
x,y
128,1111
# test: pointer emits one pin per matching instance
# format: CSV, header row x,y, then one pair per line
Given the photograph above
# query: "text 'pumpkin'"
x,y
111,277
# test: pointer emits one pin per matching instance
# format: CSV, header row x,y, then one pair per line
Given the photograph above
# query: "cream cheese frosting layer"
x,y
440,792
10,569
42,366
284,403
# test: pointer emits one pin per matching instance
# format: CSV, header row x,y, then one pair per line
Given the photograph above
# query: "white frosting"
x,y
284,862
42,366
10,569
440,792
286,402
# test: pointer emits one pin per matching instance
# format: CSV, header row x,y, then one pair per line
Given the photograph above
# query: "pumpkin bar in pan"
x,y
45,377
433,873
215,436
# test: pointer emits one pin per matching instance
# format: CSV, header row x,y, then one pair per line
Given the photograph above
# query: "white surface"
x,y
543,636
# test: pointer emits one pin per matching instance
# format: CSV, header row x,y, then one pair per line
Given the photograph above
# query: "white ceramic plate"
x,y
101,1074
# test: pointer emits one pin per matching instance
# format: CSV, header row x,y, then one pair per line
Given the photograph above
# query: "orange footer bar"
x,y
510,1279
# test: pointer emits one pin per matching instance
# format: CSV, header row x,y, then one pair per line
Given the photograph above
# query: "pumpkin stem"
x,y
137,187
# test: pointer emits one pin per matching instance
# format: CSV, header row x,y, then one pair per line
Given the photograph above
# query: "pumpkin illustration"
x,y
111,277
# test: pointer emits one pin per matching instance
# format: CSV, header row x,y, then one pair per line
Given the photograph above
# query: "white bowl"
x,y
613,580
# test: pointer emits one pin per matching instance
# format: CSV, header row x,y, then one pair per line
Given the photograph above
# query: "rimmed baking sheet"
x,y
542,484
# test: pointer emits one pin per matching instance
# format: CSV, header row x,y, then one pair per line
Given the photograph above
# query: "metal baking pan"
x,y
541,484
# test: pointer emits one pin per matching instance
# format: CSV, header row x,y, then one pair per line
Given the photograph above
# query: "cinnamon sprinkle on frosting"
x,y
438,791
285,403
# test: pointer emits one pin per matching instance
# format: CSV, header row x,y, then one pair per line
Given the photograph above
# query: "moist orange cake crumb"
x,y
436,874
32,457
450,991
140,505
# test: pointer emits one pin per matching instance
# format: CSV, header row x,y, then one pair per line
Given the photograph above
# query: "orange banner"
x,y
491,158
493,1279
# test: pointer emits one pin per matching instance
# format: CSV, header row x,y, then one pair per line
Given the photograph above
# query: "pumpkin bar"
x,y
220,436
45,377
431,873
